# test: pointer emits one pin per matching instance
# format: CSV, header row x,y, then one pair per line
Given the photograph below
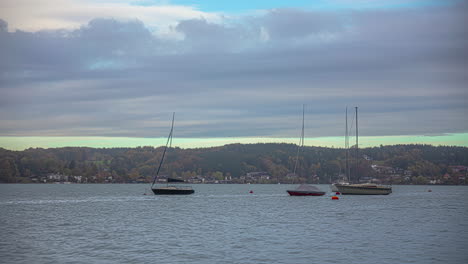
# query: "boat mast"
x,y
301,141
357,144
347,146
169,171
302,133
169,139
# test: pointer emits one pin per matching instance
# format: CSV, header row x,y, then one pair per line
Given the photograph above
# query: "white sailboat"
x,y
362,188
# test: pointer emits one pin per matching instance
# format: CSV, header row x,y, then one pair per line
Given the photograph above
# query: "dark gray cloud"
x,y
405,68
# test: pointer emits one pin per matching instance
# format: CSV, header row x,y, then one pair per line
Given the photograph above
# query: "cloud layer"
x,y
239,76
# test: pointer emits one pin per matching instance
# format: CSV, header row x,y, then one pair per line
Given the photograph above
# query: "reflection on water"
x,y
228,224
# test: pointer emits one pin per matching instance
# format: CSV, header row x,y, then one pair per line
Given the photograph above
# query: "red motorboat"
x,y
306,190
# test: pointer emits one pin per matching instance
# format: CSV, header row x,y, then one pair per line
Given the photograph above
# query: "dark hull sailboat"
x,y
306,190
300,193
173,189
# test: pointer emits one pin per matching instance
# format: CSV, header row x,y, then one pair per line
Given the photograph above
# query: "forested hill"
x,y
238,163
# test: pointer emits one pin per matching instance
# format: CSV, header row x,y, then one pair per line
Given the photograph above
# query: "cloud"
x,y
287,24
239,76
35,15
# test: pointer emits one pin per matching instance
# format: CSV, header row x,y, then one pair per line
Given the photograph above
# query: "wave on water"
x,y
86,200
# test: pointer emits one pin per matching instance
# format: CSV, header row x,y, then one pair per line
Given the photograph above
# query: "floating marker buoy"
x,y
335,198
337,193
429,190
251,191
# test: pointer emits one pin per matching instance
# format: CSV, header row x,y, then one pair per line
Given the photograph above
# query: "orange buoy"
x,y
335,197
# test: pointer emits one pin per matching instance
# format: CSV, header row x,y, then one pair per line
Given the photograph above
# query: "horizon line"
x,y
19,143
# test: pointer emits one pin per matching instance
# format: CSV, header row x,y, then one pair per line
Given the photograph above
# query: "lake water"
x,y
116,223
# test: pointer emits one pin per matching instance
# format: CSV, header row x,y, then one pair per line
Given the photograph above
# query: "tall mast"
x,y
169,171
169,139
301,141
302,133
357,144
346,145
172,129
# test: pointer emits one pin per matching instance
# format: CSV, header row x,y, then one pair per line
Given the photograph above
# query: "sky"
x,y
114,71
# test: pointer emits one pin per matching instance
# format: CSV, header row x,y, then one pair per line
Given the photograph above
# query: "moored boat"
x,y
303,189
359,188
306,190
169,190
364,189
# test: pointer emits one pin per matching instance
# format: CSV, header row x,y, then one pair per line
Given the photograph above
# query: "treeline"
x,y
411,163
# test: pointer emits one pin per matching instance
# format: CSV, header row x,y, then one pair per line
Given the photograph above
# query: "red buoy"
x,y
251,191
337,193
335,198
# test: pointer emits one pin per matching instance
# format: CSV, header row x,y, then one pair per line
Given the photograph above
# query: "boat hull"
x,y
305,193
172,191
363,190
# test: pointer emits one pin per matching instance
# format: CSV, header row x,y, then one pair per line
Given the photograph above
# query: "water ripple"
x,y
227,224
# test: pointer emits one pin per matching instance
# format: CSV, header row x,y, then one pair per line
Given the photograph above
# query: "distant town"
x,y
385,174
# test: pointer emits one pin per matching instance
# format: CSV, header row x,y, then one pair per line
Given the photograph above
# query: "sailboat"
x,y
363,188
344,181
169,189
304,189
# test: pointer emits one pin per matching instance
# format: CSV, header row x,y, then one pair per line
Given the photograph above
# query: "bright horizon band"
x,y
21,143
